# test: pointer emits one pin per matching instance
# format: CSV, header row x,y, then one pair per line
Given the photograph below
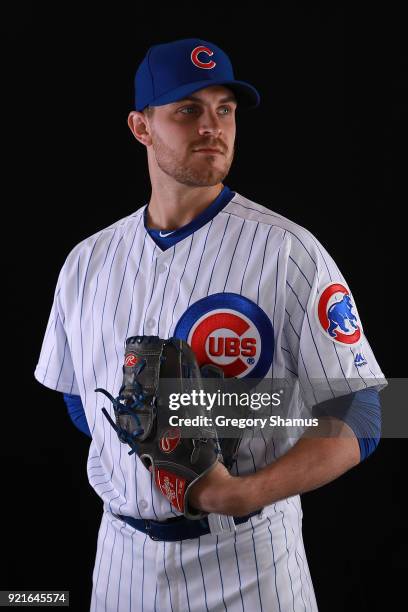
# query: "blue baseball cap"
x,y
172,71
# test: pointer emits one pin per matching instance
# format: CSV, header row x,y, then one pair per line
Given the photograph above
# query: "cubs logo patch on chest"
x,y
230,331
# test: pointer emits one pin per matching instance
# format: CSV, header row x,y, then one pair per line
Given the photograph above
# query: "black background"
x,y
325,148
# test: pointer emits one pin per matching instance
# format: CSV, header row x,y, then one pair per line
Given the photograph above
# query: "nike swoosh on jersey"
x,y
165,235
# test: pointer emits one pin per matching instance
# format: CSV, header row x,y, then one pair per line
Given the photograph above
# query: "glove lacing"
x,y
121,406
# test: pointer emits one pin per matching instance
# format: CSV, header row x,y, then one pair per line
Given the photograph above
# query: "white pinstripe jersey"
x,y
247,262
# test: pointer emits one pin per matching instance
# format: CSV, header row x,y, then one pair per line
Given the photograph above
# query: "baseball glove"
x,y
142,417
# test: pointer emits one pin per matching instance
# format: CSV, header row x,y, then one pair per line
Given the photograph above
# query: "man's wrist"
x,y
222,493
233,498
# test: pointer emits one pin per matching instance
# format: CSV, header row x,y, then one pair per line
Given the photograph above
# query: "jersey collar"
x,y
166,239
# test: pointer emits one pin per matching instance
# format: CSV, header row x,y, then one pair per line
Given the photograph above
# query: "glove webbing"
x,y
121,408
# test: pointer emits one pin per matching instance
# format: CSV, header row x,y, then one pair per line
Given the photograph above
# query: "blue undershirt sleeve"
x,y
362,413
77,413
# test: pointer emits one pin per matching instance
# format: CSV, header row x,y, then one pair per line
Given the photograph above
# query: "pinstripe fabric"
x,y
119,283
262,566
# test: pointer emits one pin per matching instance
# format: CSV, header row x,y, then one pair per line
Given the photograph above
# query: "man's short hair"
x,y
149,110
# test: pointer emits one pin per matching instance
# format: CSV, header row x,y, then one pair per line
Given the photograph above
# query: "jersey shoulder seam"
x,y
274,218
245,209
120,224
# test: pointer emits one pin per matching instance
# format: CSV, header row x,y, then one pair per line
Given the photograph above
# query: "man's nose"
x,y
209,124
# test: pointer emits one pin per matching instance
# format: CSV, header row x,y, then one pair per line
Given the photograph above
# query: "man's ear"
x,y
139,126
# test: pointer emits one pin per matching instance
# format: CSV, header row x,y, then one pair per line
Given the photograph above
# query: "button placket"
x,y
163,267
164,293
160,264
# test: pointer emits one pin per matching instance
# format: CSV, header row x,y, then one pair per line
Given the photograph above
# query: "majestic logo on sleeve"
x,y
230,331
337,314
200,64
360,360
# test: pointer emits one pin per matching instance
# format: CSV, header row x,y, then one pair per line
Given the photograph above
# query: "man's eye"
x,y
225,108
186,109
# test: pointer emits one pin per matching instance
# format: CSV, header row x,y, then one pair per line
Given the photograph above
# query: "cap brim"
x,y
247,96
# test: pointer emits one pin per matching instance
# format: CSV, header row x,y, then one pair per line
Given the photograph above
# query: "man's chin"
x,y
207,177
193,178
202,181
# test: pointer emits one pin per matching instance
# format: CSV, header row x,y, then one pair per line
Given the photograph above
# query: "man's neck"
x,y
173,208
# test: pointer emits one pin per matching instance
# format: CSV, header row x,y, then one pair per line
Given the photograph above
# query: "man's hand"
x,y
220,492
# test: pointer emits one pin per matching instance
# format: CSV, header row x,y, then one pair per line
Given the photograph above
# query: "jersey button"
x,y
143,504
151,323
163,268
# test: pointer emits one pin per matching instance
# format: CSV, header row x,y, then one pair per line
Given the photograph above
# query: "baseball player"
x,y
251,292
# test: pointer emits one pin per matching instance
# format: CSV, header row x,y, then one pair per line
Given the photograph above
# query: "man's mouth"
x,y
212,151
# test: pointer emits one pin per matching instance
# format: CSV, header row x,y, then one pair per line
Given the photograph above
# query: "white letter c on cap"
x,y
196,61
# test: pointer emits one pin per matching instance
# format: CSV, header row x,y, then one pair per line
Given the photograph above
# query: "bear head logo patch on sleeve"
x,y
337,315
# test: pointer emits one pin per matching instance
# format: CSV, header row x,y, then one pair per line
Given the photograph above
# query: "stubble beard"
x,y
188,172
